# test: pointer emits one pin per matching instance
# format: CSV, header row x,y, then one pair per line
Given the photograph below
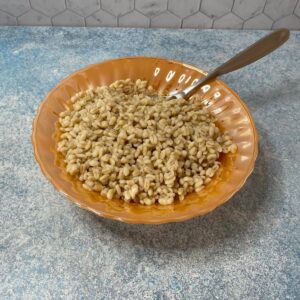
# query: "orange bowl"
x,y
231,113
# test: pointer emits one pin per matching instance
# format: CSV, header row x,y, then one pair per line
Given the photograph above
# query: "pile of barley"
x,y
121,141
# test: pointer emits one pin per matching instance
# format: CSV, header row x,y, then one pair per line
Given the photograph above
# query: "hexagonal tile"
x,y
6,19
15,7
297,9
134,19
166,20
102,18
276,9
183,8
292,22
49,8
216,8
34,18
68,18
151,8
259,22
198,20
229,21
248,9
117,7
83,8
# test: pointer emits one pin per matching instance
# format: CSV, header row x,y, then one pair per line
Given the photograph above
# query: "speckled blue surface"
x,y
246,249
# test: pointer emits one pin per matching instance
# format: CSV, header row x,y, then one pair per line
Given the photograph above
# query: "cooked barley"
x,y
122,142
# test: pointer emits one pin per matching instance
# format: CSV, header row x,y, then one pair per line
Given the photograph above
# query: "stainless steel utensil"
x,y
251,54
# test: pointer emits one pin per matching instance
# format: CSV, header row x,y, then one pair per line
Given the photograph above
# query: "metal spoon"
x,y
251,54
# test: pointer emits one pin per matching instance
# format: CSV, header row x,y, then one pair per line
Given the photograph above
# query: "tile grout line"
x,y
293,13
263,10
17,17
8,13
263,13
232,5
168,3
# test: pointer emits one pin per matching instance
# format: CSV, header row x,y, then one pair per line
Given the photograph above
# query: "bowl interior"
x,y
231,113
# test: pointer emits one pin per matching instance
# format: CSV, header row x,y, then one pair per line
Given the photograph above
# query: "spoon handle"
x,y
251,54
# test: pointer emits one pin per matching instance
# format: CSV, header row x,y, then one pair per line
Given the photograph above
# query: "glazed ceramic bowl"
x,y
231,113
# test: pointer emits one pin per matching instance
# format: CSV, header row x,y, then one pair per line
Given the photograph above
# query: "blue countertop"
x,y
51,249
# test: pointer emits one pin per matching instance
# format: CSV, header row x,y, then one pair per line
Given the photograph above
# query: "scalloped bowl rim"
x,y
133,220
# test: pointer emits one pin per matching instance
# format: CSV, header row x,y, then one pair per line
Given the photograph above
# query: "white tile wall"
x,y
35,18
291,22
166,20
15,7
216,8
232,14
134,19
198,20
102,18
276,9
68,18
117,7
229,21
248,9
151,8
259,22
297,10
6,19
49,8
184,8
83,8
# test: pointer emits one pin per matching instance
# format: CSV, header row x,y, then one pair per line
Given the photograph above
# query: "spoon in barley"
x,y
251,54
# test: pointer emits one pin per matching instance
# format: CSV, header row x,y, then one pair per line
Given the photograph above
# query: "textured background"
x,y
248,249
231,14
